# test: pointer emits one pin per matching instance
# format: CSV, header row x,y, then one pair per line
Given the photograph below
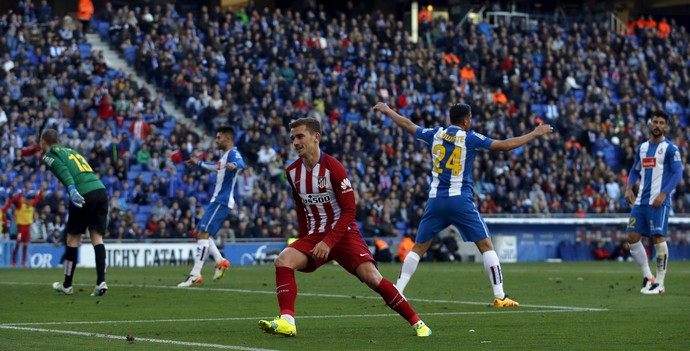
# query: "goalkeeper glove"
x,y
75,197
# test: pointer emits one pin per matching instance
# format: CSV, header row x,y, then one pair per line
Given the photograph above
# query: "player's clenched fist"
x,y
381,107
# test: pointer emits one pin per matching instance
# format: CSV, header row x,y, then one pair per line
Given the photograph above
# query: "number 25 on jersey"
x,y
453,163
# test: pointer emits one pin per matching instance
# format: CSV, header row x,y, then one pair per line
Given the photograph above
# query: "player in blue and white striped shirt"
x,y
658,167
218,210
451,194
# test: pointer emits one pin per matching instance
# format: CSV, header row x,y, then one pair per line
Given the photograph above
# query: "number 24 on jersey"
x,y
453,163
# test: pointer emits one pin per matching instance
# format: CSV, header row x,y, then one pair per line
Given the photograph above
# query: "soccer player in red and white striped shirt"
x,y
325,204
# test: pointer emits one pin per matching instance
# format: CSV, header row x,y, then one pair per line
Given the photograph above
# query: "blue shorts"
x,y
459,211
648,221
213,218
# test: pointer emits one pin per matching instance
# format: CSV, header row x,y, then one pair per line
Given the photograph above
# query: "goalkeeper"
x,y
88,208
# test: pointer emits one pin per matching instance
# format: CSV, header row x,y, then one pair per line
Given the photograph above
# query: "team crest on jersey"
x,y
321,183
661,151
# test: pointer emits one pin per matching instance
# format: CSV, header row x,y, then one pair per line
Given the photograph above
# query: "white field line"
x,y
320,295
120,337
186,320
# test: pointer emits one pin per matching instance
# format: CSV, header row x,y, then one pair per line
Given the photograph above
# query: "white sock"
x,y
288,318
661,261
407,270
493,267
213,250
200,256
638,253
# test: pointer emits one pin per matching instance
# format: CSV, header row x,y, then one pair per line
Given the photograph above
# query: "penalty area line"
x,y
119,337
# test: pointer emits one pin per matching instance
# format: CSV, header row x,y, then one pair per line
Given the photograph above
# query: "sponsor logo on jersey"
x,y
218,166
649,162
480,136
315,199
346,186
321,183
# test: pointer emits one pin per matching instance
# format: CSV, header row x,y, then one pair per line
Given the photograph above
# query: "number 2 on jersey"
x,y
453,162
81,162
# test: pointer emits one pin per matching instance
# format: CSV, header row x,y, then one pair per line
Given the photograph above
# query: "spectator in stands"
x,y
451,244
404,248
38,228
382,252
600,252
624,87
85,12
622,252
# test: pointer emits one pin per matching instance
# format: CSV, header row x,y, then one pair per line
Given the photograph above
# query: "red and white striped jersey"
x,y
324,198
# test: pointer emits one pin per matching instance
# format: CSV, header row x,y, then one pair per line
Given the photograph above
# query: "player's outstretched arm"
x,y
403,122
512,143
195,162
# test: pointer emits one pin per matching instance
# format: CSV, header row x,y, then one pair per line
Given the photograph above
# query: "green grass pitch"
x,y
565,306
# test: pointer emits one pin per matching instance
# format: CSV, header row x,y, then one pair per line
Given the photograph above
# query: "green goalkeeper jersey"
x,y
72,169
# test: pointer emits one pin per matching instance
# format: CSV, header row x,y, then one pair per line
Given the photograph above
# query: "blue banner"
x,y
38,255
248,254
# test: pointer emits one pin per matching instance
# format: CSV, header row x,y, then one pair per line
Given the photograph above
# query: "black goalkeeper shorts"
x,y
93,215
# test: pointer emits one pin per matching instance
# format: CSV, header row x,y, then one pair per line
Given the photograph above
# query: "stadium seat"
x,y
170,124
131,54
142,218
144,209
401,226
146,175
132,175
136,168
103,29
85,50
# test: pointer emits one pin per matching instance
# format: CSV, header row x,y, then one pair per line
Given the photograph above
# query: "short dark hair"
x,y
312,124
660,113
227,130
50,136
458,112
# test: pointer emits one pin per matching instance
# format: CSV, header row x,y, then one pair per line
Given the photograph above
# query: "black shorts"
x,y
93,215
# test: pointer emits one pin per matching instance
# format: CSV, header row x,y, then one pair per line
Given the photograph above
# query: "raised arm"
x,y
403,122
512,143
209,166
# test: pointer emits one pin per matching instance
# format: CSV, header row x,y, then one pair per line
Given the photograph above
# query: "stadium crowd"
x,y
258,69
